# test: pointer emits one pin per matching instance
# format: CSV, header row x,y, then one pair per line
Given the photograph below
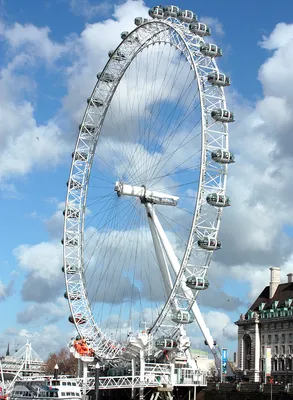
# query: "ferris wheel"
x,y
147,188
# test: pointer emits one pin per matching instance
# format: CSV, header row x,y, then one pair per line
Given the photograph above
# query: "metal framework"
x,y
203,236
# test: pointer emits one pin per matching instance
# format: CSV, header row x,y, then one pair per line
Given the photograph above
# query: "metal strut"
x,y
166,245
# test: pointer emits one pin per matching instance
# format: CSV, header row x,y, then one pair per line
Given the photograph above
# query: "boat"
x,y
44,388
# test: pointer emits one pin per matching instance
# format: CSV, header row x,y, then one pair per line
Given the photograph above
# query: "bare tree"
x,y
67,363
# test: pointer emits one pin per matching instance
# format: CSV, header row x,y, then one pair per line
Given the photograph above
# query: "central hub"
x,y
145,195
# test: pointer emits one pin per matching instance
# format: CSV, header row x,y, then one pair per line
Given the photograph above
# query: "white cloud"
x,y
44,279
214,24
3,291
281,36
49,312
25,143
34,41
38,258
88,10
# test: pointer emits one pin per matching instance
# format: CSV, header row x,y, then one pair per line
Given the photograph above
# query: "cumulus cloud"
x,y
24,141
5,290
42,262
49,312
259,183
215,24
88,10
34,41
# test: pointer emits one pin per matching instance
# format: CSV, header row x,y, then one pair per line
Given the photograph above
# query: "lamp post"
x,y
289,366
97,381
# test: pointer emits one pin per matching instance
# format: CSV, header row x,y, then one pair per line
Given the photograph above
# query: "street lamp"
x,y
97,381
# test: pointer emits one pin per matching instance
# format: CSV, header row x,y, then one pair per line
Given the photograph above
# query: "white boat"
x,y
44,388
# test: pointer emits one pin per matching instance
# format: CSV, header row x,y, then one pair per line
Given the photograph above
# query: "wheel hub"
x,y
145,195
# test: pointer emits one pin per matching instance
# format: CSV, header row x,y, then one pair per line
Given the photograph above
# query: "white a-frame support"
x,y
163,245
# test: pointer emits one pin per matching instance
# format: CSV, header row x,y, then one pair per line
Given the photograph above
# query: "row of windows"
x,y
68,383
46,394
277,325
40,394
279,350
278,365
276,337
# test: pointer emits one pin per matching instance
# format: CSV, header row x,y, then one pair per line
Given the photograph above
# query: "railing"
x,y
155,375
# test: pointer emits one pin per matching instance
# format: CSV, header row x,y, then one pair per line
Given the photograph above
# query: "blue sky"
x,y
48,58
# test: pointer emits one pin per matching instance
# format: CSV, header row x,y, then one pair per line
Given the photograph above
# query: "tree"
x,y
66,362
212,375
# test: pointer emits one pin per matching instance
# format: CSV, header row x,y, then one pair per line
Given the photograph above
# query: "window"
x,y
290,349
63,394
276,349
283,349
276,337
290,336
73,384
269,339
283,338
63,383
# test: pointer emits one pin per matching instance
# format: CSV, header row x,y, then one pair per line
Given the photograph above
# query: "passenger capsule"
x,y
223,156
171,11
124,35
70,241
95,102
182,317
166,343
200,29
106,77
219,79
80,156
218,200
211,50
117,56
87,128
139,21
79,319
74,184
222,115
71,213
197,283
215,343
187,16
74,295
208,243
70,269
156,12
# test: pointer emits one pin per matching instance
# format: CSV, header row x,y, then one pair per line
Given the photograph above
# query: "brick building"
x,y
268,323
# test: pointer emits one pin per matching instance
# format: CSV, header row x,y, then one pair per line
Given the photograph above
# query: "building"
x,y
265,333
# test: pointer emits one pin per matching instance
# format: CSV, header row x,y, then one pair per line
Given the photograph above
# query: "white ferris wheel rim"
x,y
105,346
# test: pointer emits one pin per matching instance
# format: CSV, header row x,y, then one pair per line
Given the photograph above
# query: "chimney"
x,y
274,281
290,278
